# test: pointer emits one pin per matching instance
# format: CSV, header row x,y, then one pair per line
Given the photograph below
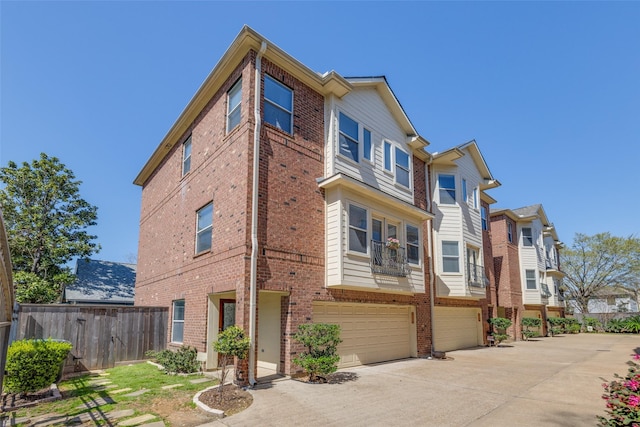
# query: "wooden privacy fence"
x,y
101,336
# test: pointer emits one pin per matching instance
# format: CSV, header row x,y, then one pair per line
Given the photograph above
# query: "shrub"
x,y
321,356
182,361
230,343
34,364
530,322
501,324
557,325
571,325
593,322
615,326
632,324
623,398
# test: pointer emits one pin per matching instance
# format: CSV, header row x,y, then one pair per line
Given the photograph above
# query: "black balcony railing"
x,y
475,276
388,261
551,264
544,290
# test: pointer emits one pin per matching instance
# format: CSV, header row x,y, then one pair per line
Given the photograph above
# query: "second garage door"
x,y
456,327
370,332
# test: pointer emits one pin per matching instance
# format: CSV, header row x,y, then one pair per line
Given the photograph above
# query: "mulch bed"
x,y
15,401
234,399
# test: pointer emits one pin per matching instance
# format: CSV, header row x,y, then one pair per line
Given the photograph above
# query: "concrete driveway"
x,y
543,382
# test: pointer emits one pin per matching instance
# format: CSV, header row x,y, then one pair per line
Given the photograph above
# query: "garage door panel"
x,y
370,333
456,328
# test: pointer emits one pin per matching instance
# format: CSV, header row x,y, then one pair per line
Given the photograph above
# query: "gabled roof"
x,y
448,158
247,40
529,213
381,84
102,282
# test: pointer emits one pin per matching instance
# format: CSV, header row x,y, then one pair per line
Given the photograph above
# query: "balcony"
x,y
476,277
544,290
387,261
551,264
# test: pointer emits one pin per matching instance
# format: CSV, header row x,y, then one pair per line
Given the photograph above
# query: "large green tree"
x,y
596,263
46,221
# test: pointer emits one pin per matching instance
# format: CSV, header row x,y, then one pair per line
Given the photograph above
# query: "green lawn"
x,y
157,401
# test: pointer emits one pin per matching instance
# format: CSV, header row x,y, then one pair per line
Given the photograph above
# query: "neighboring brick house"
x,y
526,252
463,264
340,172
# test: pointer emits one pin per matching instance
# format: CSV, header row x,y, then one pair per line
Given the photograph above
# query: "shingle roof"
x,y
527,210
102,282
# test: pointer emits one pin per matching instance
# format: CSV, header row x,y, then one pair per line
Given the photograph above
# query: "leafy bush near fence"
x,y
182,361
34,364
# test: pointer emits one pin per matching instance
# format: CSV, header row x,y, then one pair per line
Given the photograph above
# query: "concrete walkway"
x,y
543,382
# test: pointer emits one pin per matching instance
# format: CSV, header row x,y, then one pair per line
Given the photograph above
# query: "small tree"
x,y
500,324
530,322
557,324
321,356
231,343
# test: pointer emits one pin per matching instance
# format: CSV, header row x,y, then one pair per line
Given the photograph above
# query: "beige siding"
x,y
334,252
370,332
365,106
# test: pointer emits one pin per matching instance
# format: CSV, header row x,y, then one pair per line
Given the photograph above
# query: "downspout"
x,y
254,214
432,273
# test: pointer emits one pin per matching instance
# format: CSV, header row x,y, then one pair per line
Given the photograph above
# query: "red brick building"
x,y
306,231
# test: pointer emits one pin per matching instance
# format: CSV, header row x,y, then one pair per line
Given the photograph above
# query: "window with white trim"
x,y
204,228
366,146
475,198
527,236
234,109
530,277
403,171
349,146
413,244
510,232
483,218
278,104
177,323
186,156
450,257
447,186
387,156
357,229
464,191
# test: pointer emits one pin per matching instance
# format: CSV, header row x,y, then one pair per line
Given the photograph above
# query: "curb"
x,y
212,411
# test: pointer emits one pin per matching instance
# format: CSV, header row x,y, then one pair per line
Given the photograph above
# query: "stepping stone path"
x,y
137,393
137,420
93,403
122,390
167,387
200,380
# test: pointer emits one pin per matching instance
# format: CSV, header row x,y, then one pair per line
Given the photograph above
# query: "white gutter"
x,y
254,215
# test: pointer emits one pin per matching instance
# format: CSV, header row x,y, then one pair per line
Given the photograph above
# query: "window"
x,y
450,257
475,198
464,191
402,167
510,232
186,156
483,218
357,229
177,325
233,105
278,104
531,279
413,244
387,156
367,145
204,228
527,238
447,184
348,137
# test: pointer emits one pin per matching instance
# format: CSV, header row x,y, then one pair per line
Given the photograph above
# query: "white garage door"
x,y
457,327
370,332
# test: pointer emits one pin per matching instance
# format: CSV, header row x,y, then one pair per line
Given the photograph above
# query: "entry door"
x,y
227,317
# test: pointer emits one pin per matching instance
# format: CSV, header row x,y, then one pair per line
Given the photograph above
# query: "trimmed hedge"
x,y
34,364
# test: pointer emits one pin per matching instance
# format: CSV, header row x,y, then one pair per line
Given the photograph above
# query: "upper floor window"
x,y
357,229
177,324
450,257
464,191
278,104
527,237
510,232
204,230
233,105
402,168
530,276
475,198
413,244
387,156
483,218
367,147
186,156
447,184
349,137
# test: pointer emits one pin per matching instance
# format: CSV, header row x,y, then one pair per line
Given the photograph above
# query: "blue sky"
x,y
549,90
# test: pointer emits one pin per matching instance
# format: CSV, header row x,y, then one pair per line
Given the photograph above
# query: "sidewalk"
x,y
542,382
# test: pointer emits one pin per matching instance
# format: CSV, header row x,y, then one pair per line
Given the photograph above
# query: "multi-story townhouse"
x,y
527,266
463,264
282,196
